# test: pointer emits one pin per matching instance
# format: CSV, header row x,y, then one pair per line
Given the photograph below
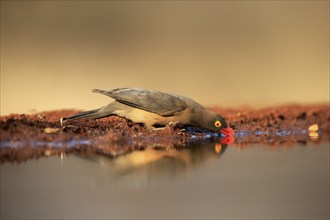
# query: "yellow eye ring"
x,y
217,124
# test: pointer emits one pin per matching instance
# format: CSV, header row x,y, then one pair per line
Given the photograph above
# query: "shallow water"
x,y
201,181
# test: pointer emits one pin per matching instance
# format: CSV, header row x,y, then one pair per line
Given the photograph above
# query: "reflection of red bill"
x,y
227,140
230,136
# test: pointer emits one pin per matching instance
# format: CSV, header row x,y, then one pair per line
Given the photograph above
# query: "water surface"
x,y
196,182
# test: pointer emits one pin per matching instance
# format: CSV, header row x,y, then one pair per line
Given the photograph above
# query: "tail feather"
x,y
105,111
92,114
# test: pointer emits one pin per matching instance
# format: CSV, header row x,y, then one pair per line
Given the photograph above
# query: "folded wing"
x,y
153,101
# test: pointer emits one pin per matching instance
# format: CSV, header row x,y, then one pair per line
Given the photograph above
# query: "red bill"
x,y
229,132
230,136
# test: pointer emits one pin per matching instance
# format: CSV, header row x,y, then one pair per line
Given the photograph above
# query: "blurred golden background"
x,y
224,53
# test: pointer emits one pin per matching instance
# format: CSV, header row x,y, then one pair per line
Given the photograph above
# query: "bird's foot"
x,y
175,125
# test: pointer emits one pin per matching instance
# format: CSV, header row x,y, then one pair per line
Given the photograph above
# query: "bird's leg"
x,y
156,128
160,127
172,125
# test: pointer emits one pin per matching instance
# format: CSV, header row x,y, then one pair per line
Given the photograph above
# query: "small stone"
x,y
302,116
313,131
313,128
51,130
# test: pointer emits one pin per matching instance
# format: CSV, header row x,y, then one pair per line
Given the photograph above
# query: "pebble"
x,y
313,128
51,130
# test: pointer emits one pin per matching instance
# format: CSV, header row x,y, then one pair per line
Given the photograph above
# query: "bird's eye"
x,y
217,124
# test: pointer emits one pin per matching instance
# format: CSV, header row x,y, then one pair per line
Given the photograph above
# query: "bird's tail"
x,y
102,91
92,114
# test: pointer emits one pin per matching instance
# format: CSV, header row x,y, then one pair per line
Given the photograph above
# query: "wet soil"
x,y
25,136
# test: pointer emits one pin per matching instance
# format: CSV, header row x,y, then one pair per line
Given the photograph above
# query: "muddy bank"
x,y
30,136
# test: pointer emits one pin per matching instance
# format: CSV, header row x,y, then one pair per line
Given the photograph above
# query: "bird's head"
x,y
217,123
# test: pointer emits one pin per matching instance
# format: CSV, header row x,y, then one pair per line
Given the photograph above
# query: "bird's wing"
x,y
153,101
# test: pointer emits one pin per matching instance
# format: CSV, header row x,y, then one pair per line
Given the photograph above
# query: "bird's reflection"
x,y
155,165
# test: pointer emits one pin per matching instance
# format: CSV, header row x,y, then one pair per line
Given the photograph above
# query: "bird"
x,y
155,110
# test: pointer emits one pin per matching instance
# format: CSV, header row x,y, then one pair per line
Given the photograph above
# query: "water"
x,y
196,182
